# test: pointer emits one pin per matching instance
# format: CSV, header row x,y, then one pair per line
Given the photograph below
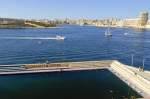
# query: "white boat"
x,y
125,33
108,33
60,37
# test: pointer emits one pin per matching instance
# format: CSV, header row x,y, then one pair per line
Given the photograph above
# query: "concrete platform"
x,y
137,80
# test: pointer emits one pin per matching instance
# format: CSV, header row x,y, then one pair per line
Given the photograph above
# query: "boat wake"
x,y
35,38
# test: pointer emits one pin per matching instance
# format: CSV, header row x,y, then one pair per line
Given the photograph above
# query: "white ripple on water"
x,y
30,38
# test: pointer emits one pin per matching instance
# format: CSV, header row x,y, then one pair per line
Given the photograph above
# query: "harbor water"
x,y
82,43
100,84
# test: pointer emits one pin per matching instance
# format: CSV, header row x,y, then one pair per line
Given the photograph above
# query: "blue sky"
x,y
72,8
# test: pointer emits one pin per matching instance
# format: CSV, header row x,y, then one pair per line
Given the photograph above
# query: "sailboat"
x,y
108,33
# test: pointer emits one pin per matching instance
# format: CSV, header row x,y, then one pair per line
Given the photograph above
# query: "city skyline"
x,y
90,9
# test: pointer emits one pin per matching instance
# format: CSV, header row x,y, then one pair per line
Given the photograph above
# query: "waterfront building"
x,y
130,22
138,22
4,21
148,24
143,18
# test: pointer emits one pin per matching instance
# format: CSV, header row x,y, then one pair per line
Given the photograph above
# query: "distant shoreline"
x,y
17,27
135,27
29,27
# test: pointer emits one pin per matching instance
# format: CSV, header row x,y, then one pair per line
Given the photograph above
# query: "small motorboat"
x,y
60,37
125,33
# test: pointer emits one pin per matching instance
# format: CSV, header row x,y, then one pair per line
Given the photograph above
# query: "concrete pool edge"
x,y
137,80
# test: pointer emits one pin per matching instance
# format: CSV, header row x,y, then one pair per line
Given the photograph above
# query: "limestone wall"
x,y
132,77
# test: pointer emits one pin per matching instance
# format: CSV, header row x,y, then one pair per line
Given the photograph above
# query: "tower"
x,y
143,18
